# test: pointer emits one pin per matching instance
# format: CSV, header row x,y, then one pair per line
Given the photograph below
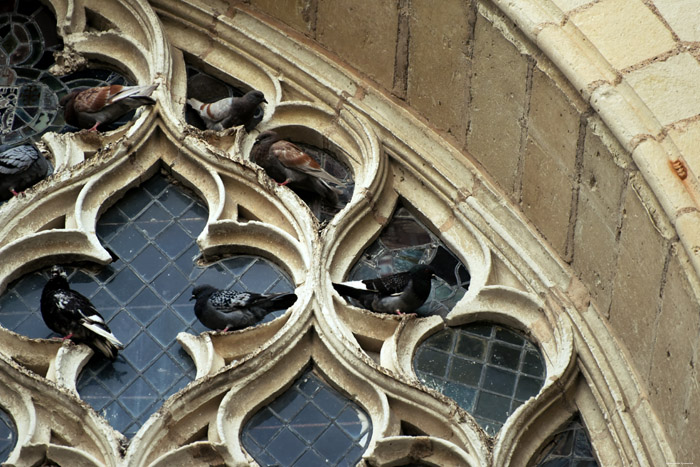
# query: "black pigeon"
x,y
71,314
222,309
21,167
88,108
287,163
399,293
230,111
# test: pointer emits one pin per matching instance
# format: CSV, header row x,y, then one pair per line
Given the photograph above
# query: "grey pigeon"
x,y
224,310
88,108
71,314
230,111
286,163
399,293
21,167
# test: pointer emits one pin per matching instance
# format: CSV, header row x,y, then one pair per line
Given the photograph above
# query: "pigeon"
x,y
88,108
71,314
222,309
286,163
230,111
21,167
399,293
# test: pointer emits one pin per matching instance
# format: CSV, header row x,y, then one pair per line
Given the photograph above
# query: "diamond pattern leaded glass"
x,y
405,242
487,369
8,435
570,447
144,296
310,424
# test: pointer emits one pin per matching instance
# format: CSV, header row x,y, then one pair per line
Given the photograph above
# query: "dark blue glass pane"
x,y
569,447
482,367
310,423
8,435
402,244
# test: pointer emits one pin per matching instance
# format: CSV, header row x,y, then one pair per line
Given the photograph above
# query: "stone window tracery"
x,y
105,207
309,424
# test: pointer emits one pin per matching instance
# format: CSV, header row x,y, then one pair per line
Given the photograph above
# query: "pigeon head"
x,y
266,136
423,271
58,271
256,96
202,291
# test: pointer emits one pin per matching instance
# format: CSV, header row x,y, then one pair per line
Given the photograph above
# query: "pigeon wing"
x,y
391,284
226,301
18,159
85,312
292,157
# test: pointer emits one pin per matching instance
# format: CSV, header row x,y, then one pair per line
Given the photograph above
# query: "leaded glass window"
x,y
8,435
488,370
569,447
409,196
310,424
29,93
144,296
405,242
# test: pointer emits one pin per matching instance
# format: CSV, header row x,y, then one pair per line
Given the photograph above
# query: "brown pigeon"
x,y
88,108
21,167
230,111
286,163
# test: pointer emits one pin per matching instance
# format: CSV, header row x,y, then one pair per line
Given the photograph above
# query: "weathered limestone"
x,y
438,75
363,33
625,31
549,161
498,105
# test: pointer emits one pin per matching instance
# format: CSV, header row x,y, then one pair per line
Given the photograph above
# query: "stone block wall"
x,y
472,76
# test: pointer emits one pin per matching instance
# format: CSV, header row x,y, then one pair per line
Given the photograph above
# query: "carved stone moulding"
x,y
515,280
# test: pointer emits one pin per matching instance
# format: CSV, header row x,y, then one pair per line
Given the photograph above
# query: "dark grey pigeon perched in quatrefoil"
x,y
230,111
229,310
399,293
20,168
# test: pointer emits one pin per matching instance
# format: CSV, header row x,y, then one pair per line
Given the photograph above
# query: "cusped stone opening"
x,y
332,158
488,369
204,85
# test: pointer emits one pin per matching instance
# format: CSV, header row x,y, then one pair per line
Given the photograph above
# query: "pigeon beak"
x,y
264,100
192,297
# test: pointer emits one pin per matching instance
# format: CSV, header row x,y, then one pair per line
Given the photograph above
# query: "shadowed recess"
x,y
487,369
144,296
405,242
309,424
569,447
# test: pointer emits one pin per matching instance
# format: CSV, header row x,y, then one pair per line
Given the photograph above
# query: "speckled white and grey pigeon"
x,y
229,310
287,163
230,111
399,293
21,167
88,108
71,314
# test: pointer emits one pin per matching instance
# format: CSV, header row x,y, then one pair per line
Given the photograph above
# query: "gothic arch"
x,y
517,281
